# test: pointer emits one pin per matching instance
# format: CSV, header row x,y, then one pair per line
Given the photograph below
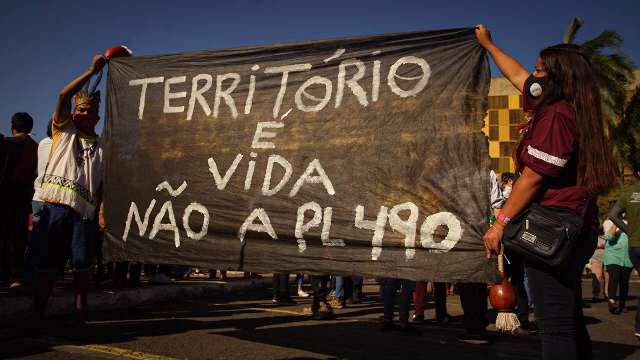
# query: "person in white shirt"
x,y
71,190
44,147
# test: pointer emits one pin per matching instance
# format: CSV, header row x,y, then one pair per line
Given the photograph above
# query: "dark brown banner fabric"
x,y
356,156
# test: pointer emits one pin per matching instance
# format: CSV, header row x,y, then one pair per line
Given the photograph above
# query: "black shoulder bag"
x,y
543,235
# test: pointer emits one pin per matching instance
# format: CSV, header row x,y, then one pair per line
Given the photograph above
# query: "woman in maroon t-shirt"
x,y
564,161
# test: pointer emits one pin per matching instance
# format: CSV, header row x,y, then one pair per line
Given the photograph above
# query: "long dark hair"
x,y
570,78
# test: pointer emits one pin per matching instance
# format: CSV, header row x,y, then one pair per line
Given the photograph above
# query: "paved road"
x,y
248,326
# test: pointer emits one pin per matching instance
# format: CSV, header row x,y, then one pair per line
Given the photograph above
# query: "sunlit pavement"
x,y
248,326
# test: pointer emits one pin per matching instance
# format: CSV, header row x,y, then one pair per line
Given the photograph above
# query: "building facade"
x,y
500,124
503,116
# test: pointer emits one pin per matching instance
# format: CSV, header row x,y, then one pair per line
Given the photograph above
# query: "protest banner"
x,y
359,156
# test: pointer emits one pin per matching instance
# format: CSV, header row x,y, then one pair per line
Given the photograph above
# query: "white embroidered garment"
x,y
44,147
74,173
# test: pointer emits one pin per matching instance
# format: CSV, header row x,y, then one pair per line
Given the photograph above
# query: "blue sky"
x,y
47,43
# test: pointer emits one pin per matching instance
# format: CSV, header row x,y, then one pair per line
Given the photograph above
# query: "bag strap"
x,y
585,206
44,173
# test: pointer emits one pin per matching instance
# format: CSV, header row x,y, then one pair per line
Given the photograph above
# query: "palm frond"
x,y
630,128
572,30
613,72
607,39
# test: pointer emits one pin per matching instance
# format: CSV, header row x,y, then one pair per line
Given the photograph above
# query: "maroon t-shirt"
x,y
550,148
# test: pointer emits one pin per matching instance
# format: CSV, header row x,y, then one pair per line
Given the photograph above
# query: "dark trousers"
x,y
121,271
13,243
280,285
619,278
124,268
352,288
320,286
473,297
515,270
634,255
440,299
347,287
557,299
357,286
389,289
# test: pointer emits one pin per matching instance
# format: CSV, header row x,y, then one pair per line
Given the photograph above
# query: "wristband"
x,y
503,218
499,223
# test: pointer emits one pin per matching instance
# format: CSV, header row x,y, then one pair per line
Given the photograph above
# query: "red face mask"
x,y
86,123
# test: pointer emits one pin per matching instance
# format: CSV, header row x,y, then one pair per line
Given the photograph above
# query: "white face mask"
x,y
506,192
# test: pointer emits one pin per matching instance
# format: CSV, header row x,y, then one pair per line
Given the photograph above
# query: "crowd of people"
x,y
562,160
610,267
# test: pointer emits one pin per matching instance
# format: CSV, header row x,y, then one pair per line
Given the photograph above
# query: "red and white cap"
x,y
117,51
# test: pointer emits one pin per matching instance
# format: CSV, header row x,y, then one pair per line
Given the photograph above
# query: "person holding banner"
x,y
71,189
564,162
473,296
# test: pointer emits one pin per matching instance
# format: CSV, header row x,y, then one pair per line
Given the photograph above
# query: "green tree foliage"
x,y
613,74
613,70
629,130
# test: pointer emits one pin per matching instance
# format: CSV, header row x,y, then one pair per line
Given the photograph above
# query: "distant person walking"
x,y
599,277
616,260
629,204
